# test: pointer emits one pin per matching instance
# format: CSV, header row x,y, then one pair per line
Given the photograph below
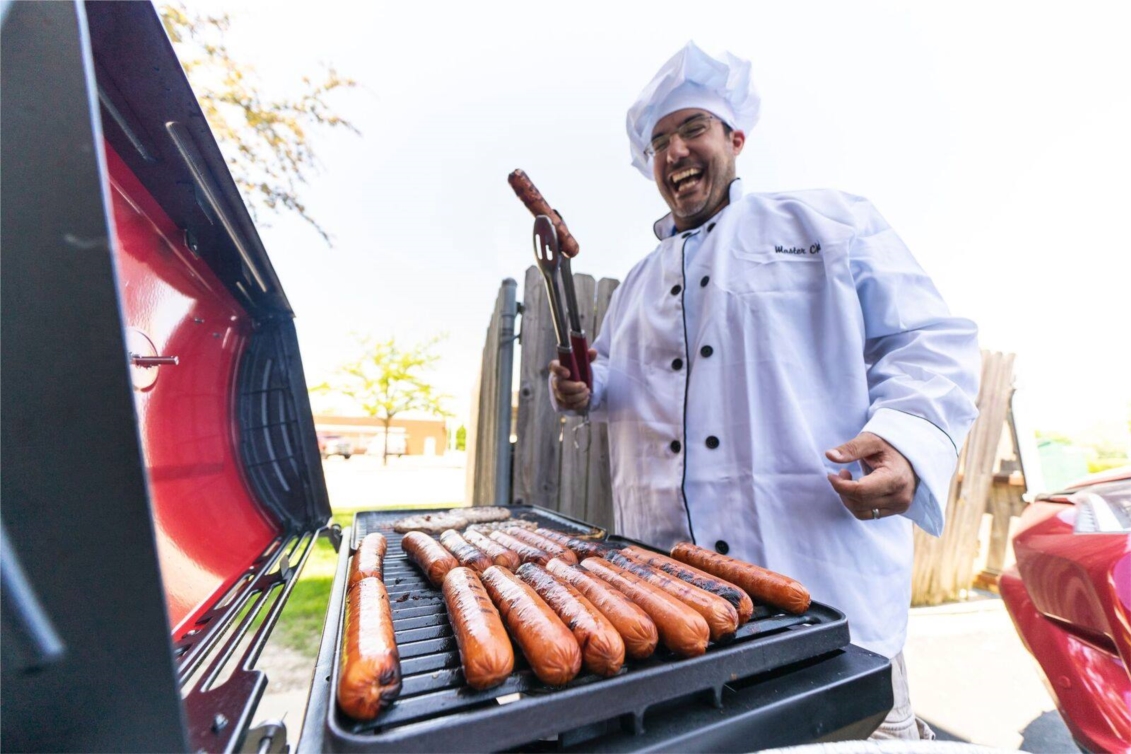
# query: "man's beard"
x,y
694,209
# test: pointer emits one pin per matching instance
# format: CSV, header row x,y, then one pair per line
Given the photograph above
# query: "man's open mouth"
x,y
685,180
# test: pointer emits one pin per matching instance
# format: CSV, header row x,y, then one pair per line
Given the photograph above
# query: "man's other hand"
x,y
570,395
886,491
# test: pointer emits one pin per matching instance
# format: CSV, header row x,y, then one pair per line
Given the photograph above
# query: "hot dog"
x,y
484,648
720,615
545,544
602,648
526,553
548,645
728,591
427,553
498,554
370,676
368,558
761,584
525,190
633,624
581,548
466,553
681,629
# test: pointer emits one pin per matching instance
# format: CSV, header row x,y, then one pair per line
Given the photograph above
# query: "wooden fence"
x,y
944,566
560,463
563,464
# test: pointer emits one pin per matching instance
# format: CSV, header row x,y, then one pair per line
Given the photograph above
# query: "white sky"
x,y
992,136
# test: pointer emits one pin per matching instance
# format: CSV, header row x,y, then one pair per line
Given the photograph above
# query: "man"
x,y
781,380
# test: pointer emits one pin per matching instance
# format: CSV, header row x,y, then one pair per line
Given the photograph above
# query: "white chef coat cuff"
x,y
933,457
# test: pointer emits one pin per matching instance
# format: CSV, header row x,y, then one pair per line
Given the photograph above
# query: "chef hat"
x,y
692,78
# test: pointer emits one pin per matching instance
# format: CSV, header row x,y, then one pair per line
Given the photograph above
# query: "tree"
x,y
265,140
387,379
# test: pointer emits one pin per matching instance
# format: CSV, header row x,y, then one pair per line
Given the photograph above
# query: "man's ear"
x,y
737,140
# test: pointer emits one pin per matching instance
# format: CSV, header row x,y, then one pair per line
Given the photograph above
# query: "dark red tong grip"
x,y
581,368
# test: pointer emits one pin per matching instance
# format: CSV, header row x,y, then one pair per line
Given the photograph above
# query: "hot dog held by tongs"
x,y
554,246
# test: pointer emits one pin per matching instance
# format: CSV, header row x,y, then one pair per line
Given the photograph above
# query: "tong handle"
x,y
581,357
568,359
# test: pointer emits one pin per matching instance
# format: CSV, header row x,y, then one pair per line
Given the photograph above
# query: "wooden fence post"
x,y
599,489
536,461
482,444
575,445
944,567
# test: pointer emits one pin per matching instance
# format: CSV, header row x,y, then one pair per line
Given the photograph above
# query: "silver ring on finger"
x,y
875,513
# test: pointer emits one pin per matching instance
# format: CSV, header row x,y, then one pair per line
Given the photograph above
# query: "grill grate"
x,y
436,710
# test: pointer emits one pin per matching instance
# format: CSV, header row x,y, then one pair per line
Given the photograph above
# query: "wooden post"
x,y
576,435
537,460
599,498
944,567
482,443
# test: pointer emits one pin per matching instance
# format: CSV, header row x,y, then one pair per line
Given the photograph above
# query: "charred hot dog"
x,y
602,648
484,648
466,553
530,196
720,615
761,584
427,553
705,581
526,553
681,629
633,624
370,677
547,644
368,559
498,554
545,544
582,548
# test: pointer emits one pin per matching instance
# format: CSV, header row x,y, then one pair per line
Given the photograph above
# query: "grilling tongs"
x,y
553,247
552,264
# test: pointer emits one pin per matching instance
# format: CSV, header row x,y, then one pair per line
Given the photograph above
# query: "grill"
x,y
167,510
437,711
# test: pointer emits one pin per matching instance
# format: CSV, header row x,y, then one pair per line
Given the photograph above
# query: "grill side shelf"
x,y
436,710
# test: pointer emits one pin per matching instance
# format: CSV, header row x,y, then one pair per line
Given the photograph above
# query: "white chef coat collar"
x,y
664,228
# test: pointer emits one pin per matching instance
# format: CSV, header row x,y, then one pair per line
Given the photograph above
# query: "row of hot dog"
x,y
566,603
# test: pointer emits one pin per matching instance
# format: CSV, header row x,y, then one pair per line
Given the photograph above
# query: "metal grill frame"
x,y
468,721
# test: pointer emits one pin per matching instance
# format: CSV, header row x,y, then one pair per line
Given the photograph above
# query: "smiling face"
x,y
694,176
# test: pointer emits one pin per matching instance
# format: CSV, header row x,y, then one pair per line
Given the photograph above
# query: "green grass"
x,y
300,626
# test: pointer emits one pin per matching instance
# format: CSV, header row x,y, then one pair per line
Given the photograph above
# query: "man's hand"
x,y
886,491
573,396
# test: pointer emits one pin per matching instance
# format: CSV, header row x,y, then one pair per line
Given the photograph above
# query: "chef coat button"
x,y
677,364
712,442
675,446
676,289
688,233
710,227
721,547
706,351
703,283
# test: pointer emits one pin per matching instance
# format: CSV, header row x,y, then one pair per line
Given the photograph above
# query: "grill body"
x,y
764,683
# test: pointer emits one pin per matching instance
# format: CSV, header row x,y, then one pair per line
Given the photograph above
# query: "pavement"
x,y
970,677
363,482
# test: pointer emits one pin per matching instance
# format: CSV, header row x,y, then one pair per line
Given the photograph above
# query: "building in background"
x,y
412,435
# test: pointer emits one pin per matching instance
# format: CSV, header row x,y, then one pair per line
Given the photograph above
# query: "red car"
x,y
1070,598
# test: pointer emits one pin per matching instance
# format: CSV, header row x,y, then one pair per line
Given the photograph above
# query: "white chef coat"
x,y
734,355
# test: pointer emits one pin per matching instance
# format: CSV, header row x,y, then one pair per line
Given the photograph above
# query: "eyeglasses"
x,y
688,131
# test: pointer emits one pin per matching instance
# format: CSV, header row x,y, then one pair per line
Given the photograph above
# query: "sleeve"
x,y
923,364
